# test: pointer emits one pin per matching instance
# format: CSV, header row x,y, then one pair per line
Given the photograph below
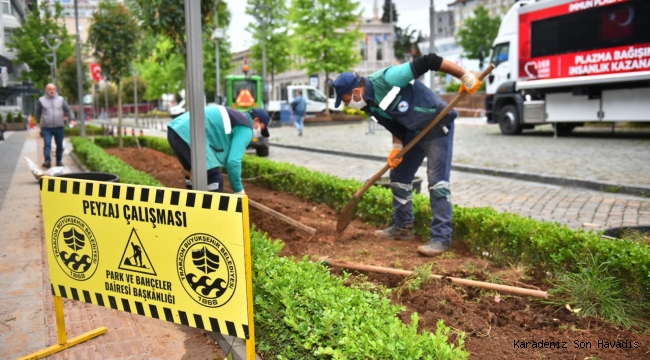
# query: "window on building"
x,y
364,51
380,51
6,7
8,34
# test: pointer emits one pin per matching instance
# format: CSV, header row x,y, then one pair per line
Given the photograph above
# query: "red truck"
x,y
568,62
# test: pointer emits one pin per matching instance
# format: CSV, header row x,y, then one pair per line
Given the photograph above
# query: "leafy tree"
x,y
406,45
163,74
31,49
68,79
326,35
108,92
167,18
278,44
478,31
114,34
127,89
385,18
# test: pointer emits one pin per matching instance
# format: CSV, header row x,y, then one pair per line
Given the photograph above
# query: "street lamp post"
x,y
50,61
216,35
80,88
53,42
263,15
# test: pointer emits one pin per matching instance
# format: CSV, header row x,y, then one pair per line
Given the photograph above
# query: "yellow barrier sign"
x,y
169,254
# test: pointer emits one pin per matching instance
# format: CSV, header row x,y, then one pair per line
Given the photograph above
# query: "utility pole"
x,y
80,89
216,35
195,93
263,19
432,45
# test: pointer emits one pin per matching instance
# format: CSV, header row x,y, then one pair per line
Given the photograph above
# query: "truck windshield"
x,y
313,95
601,27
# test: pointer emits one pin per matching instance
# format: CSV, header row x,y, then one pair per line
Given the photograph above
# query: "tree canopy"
x,y
478,32
31,49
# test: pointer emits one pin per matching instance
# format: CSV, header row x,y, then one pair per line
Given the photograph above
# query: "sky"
x,y
411,12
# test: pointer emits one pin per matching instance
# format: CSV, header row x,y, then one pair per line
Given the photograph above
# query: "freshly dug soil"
x,y
498,326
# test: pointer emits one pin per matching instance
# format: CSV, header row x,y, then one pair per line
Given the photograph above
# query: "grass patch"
x,y
591,292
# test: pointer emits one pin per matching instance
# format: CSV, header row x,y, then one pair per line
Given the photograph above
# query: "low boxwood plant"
x,y
301,312
91,130
504,237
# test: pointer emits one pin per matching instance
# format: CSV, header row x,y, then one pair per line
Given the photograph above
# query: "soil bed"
x,y
497,327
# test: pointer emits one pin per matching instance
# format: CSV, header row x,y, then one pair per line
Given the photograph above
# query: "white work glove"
x,y
470,83
240,192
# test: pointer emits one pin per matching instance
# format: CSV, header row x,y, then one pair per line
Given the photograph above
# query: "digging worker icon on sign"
x,y
137,254
135,258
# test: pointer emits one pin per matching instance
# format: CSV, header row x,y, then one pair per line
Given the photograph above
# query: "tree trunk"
x,y
119,113
327,95
272,82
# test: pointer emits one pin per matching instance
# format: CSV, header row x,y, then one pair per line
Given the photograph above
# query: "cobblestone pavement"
x,y
589,154
577,208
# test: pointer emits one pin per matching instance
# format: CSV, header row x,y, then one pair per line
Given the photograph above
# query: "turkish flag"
x,y
617,23
96,72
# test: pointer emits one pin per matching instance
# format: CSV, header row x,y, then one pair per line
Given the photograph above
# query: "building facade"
x,y
375,49
463,9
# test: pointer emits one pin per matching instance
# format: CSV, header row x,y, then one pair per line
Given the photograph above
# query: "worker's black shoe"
x,y
396,233
47,165
59,163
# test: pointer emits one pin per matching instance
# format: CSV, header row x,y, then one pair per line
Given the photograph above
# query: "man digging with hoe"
x,y
405,106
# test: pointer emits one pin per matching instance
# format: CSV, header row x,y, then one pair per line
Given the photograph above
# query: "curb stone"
x,y
601,186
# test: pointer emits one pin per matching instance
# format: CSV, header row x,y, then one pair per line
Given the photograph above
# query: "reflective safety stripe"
x,y
213,186
440,189
392,94
227,126
403,193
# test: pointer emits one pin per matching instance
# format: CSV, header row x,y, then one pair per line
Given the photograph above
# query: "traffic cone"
x,y
31,121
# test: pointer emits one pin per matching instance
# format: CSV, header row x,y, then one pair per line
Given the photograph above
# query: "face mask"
x,y
357,104
257,132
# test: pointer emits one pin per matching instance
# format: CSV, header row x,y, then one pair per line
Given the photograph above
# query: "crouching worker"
x,y
405,106
227,135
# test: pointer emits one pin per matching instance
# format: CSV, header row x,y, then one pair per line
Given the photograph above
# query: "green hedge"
x,y
504,237
95,158
301,312
91,130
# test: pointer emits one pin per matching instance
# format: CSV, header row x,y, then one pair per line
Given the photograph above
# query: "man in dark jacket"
x,y
55,112
405,106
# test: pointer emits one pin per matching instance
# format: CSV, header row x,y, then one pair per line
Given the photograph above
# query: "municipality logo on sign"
x,y
75,248
206,270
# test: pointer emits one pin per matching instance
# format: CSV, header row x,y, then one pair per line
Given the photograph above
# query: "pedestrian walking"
x,y
227,134
54,111
405,106
299,105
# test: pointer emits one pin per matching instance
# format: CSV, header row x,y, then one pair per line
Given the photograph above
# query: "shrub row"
x,y
95,158
91,130
504,237
301,312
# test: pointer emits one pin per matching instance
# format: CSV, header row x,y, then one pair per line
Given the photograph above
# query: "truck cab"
x,y
568,62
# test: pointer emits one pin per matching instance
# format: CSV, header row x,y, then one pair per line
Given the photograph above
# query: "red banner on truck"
x,y
582,38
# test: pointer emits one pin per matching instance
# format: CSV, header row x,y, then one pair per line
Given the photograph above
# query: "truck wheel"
x,y
509,121
262,151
